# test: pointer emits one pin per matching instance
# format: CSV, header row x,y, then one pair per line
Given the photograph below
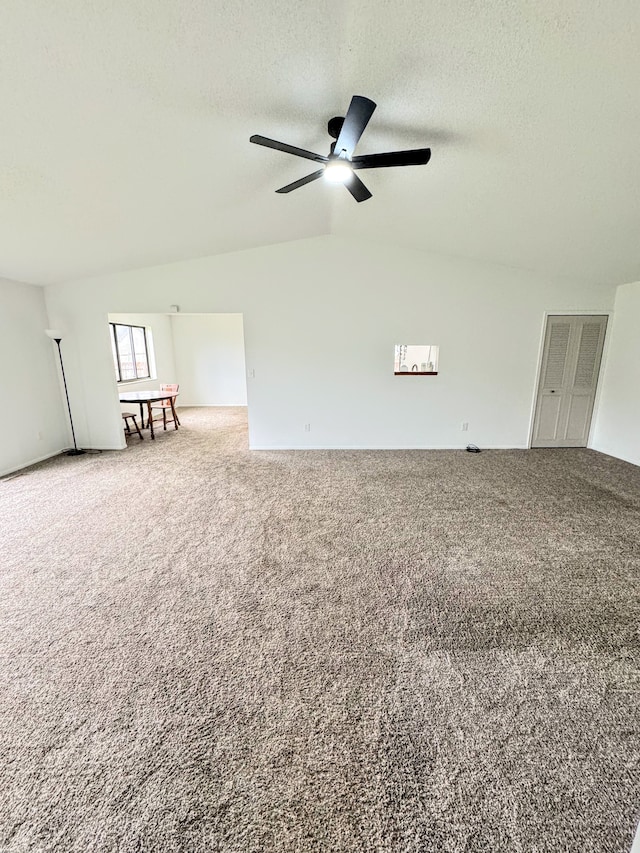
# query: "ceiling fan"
x,y
340,166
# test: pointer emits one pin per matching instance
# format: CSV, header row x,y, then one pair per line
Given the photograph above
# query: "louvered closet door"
x,y
568,379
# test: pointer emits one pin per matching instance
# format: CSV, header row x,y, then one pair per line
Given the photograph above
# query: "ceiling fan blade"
x,y
288,149
414,157
357,117
306,180
357,188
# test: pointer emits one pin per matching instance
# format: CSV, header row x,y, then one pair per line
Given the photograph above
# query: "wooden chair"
x,y
129,415
168,406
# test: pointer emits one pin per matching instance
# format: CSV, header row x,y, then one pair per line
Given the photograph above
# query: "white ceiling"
x,y
125,129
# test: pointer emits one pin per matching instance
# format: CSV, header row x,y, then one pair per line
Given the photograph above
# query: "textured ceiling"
x,y
125,128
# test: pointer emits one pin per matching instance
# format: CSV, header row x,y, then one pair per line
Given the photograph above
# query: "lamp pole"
x,y
75,451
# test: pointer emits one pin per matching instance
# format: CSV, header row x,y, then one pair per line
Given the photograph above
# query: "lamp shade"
x,y
54,334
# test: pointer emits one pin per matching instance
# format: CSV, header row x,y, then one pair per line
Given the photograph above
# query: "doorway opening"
x,y
202,353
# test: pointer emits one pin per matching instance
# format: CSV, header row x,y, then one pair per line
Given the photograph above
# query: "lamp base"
x,y
74,452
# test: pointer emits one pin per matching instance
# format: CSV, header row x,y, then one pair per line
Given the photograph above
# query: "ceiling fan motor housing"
x,y
335,126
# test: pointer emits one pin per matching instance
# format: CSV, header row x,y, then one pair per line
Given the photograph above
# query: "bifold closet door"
x,y
568,380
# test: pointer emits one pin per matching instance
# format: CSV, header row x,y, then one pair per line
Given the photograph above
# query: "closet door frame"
x,y
596,312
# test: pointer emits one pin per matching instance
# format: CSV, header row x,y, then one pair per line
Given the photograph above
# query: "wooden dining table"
x,y
147,398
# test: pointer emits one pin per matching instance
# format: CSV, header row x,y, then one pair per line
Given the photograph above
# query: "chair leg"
x,y
126,426
164,419
135,423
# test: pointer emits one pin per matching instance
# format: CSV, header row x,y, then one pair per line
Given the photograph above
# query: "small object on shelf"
x,y
404,368
430,367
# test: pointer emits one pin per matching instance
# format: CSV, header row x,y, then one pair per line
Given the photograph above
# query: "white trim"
x,y
60,452
33,462
208,405
392,447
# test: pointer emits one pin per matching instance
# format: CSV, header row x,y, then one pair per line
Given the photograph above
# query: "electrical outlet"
x,y
307,427
464,426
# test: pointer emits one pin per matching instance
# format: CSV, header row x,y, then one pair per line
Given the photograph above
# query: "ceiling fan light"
x,y
338,172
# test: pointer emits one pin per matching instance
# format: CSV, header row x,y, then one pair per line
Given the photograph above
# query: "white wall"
x,y
321,318
617,426
209,353
34,423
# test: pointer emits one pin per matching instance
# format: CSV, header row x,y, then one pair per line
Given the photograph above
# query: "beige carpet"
x,y
207,649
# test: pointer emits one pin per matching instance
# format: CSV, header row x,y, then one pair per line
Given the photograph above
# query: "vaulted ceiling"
x,y
125,129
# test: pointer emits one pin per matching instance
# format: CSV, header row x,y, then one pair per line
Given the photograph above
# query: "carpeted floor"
x,y
207,649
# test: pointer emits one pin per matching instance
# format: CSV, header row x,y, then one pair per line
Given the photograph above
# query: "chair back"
x,y
168,389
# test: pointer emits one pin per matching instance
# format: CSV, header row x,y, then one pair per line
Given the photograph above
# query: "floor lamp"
x,y
56,336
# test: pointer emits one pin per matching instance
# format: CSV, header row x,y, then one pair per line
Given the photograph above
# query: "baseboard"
x,y
380,447
210,405
635,460
32,462
46,456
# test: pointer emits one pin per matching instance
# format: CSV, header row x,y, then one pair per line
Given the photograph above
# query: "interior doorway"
x,y
568,380
202,353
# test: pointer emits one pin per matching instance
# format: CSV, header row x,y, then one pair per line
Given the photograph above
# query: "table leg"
x,y
141,415
150,420
173,409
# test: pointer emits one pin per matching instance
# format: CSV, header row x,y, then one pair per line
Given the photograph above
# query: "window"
x,y
130,352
